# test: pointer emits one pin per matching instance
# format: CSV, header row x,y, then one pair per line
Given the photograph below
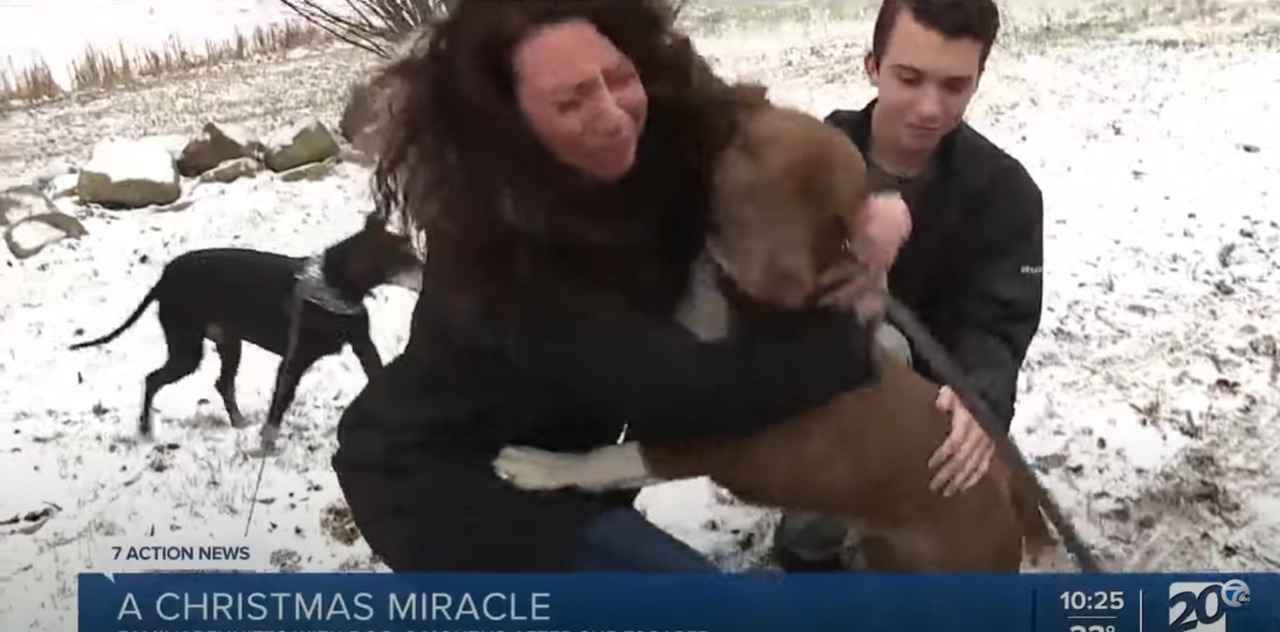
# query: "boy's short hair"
x,y
977,20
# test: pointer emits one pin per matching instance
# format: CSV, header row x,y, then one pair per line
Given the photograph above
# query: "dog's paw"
x,y
607,468
534,469
238,421
268,439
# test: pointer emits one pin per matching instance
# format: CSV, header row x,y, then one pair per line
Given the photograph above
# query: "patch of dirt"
x,y
286,560
337,522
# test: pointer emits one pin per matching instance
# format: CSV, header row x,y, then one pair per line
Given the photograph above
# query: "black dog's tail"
x,y
133,318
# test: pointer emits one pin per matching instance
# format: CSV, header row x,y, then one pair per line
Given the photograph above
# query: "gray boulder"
x,y
28,236
232,170
20,202
124,173
304,142
216,144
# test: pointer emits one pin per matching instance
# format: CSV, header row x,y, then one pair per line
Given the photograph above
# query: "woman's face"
x,y
582,97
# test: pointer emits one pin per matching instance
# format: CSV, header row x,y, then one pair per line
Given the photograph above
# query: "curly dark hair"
x,y
460,163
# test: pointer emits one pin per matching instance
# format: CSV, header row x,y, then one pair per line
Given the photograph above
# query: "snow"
x,y
1149,401
58,31
123,170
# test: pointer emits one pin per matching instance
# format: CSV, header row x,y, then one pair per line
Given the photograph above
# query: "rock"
x,y
361,118
216,144
368,98
355,156
62,186
304,142
231,170
129,174
52,172
309,171
171,143
32,234
22,201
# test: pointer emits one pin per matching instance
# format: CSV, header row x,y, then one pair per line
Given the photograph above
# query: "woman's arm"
x,y
666,384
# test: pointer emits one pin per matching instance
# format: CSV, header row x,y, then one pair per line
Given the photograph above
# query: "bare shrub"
x,y
373,25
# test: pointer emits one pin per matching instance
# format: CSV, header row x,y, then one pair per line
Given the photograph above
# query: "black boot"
x,y
810,543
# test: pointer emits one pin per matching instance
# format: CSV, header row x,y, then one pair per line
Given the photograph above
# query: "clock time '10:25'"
x,y
1076,600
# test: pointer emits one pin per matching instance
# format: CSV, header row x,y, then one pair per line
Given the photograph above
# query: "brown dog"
x,y
784,192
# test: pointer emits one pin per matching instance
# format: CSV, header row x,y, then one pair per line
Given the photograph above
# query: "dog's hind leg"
x,y
229,351
185,351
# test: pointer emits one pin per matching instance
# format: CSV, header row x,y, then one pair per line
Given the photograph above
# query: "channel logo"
x,y
1203,606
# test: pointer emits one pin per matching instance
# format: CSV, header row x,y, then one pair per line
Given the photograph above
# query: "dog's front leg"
x,y
613,467
287,376
367,354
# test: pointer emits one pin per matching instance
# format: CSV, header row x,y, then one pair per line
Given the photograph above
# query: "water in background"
x,y
59,30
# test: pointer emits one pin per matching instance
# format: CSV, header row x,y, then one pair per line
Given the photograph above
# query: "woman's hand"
x,y
857,286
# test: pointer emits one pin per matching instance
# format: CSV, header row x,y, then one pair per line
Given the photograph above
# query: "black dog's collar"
x,y
315,290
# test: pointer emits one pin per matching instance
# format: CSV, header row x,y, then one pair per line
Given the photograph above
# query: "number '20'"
x,y
1197,605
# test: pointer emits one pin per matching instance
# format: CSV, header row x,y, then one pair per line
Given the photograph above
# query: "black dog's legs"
x,y
229,351
366,353
287,377
185,352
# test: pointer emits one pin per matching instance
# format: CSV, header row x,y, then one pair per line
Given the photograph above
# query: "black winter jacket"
x,y
415,445
971,269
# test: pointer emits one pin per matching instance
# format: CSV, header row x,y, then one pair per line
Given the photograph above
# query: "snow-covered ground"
x,y
1150,399
57,31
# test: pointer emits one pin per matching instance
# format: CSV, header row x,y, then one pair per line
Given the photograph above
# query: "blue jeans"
x,y
623,540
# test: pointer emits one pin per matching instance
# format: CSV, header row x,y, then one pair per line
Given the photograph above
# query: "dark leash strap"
x,y
294,312
951,374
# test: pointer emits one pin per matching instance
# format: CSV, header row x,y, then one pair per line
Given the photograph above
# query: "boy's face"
x,y
925,82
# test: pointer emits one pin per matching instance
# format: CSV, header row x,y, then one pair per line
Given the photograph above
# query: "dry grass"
x,y
98,69
33,83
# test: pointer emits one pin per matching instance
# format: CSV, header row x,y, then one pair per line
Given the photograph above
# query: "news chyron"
x,y
160,554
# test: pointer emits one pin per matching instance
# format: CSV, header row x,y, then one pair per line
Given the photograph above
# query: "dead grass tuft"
x,y
32,83
97,69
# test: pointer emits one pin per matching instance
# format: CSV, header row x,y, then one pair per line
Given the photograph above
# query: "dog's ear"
x,y
374,221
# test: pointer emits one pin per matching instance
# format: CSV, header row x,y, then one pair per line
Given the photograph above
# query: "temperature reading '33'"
x,y
1092,628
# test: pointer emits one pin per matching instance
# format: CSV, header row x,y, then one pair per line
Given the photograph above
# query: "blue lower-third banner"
x,y
752,602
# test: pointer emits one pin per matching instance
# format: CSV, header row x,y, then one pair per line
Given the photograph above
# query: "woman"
x,y
556,154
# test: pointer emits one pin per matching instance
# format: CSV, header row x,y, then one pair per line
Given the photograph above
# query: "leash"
x,y
295,323
950,372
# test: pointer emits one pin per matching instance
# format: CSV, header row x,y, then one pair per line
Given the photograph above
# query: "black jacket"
x,y
415,445
971,268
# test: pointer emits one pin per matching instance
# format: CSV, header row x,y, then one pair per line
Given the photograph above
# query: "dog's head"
x,y
784,193
373,256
